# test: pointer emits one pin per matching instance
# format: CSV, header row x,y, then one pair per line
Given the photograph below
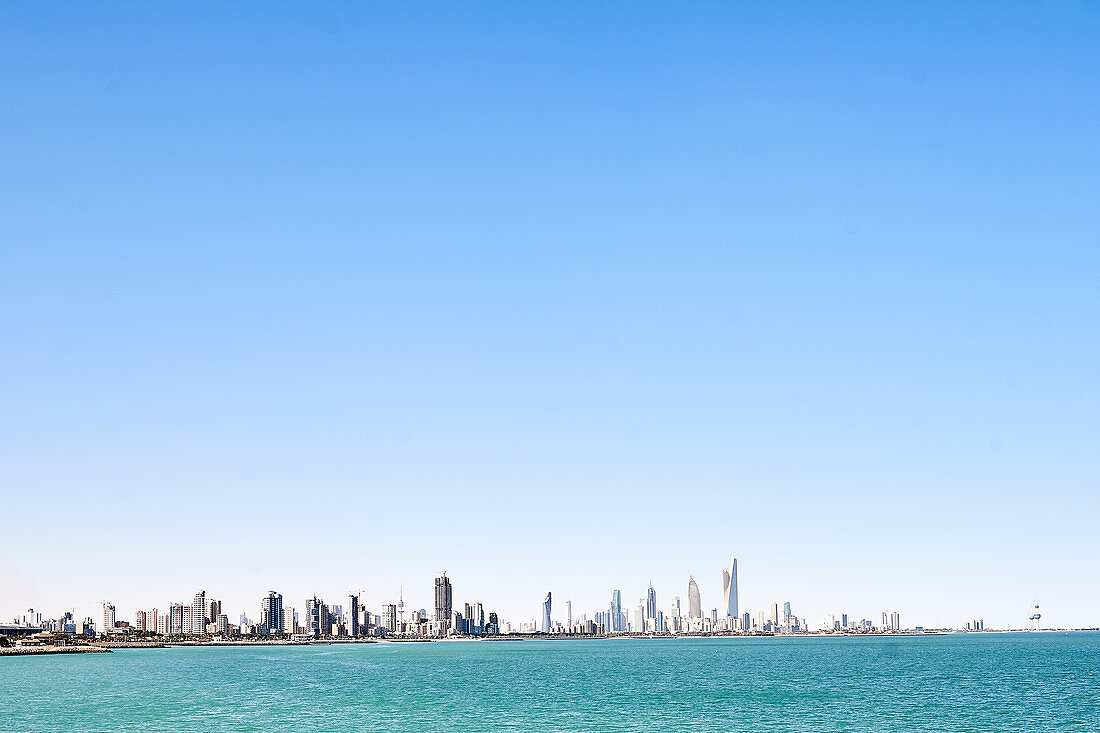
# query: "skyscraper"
x,y
108,617
271,613
729,589
651,602
546,614
442,598
618,620
353,615
175,618
695,605
290,620
320,620
389,617
198,613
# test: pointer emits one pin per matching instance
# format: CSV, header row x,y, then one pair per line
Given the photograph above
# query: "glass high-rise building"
x,y
443,604
618,620
695,604
320,619
651,602
271,612
546,614
353,615
729,589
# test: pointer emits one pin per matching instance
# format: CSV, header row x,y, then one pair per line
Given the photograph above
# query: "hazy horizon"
x,y
560,298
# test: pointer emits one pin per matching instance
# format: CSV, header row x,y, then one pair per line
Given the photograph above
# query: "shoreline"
x,y
30,651
108,646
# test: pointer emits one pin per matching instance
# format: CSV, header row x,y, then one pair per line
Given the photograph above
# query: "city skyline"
x,y
178,618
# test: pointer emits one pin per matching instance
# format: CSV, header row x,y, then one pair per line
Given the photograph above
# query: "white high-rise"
x,y
108,617
729,589
198,613
695,605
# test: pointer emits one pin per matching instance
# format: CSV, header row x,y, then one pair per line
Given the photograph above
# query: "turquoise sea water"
x,y
990,682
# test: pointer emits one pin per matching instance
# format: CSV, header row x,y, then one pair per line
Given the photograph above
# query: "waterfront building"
x,y
139,621
639,617
198,613
674,609
290,620
568,613
271,613
546,627
353,615
175,618
729,589
714,616
651,602
222,624
319,617
108,617
389,617
774,615
695,604
443,593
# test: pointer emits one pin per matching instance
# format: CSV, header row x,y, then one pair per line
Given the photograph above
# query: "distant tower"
x,y
1033,619
729,589
198,613
443,598
569,613
401,602
695,605
546,614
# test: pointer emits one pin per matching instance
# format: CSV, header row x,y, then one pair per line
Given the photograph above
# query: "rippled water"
x,y
1002,682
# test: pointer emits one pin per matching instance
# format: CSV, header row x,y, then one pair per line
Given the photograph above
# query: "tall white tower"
x,y
729,588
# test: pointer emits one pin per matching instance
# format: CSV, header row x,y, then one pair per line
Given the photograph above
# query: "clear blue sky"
x,y
559,297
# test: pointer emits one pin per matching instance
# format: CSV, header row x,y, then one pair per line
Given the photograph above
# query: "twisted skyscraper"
x,y
546,614
729,588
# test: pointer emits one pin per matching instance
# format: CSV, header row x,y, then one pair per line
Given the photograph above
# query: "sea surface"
x,y
977,682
